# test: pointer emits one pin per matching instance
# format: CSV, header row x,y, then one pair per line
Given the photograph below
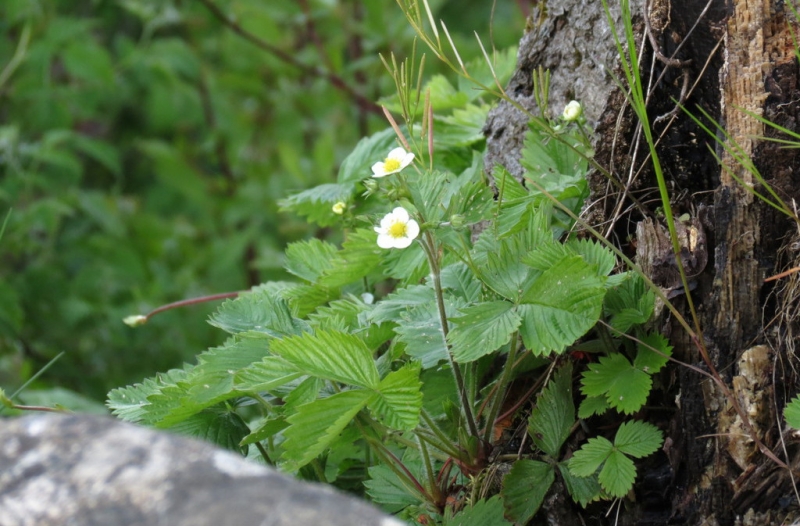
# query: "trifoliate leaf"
x,y
421,331
630,303
484,512
649,360
257,311
316,424
561,305
583,490
617,475
625,387
593,405
308,259
482,329
360,256
429,193
316,204
638,439
588,458
400,398
791,413
524,489
463,128
554,414
133,404
503,271
331,355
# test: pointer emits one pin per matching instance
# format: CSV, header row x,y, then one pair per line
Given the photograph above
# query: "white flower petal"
x,y
385,241
402,242
412,229
397,153
400,215
378,169
406,160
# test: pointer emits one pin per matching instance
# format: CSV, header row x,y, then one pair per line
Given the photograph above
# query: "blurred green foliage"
x,y
143,147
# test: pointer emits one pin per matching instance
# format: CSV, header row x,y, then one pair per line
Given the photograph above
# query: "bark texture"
x,y
734,55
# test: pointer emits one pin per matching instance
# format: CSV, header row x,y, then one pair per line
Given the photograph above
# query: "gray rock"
x,y
85,470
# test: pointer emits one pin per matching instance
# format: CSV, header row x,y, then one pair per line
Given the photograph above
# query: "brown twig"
x,y
335,80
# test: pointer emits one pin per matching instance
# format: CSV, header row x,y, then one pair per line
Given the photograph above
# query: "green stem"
x,y
502,383
433,489
450,448
430,252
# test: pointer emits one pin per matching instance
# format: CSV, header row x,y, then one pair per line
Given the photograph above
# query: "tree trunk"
x,y
742,59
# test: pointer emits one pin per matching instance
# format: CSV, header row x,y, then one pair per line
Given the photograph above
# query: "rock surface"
x,y
84,470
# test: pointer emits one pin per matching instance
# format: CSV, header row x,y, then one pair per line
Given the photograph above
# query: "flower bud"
x,y
572,111
457,221
339,207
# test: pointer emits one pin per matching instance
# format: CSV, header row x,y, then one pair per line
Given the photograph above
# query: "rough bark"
x,y
739,56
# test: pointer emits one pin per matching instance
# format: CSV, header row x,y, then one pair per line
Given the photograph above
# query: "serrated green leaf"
x,y
617,475
649,360
482,329
507,186
638,439
316,204
270,428
484,512
554,414
459,280
583,490
369,150
309,259
317,423
562,304
625,387
257,311
360,256
225,429
400,398
401,301
132,403
421,331
267,374
305,392
792,412
503,271
331,355
630,303
524,489
407,266
590,456
304,299
391,493
593,405
594,254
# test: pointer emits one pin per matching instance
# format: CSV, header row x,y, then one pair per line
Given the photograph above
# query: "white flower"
x,y
572,111
395,161
368,298
397,229
339,207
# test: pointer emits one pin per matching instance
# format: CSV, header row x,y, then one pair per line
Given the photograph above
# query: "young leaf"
x,y
628,304
317,423
554,414
586,461
638,439
561,305
331,355
524,489
482,329
400,398
617,475
625,387
257,311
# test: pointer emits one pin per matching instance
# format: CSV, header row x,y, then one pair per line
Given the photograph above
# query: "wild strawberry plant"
x,y
394,363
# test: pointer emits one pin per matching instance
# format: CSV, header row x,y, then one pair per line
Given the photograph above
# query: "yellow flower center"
x,y
397,230
390,165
